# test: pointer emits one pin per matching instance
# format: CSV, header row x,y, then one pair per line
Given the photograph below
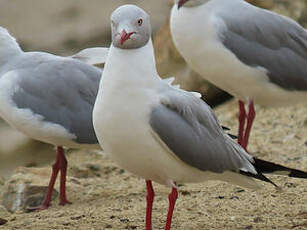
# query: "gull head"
x,y
189,3
131,27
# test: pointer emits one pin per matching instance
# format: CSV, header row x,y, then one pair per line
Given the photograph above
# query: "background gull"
x,y
254,54
50,99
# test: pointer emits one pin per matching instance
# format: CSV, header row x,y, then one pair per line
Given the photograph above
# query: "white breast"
x,y
121,119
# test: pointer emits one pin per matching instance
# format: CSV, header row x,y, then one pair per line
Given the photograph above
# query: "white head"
x,y
190,3
131,27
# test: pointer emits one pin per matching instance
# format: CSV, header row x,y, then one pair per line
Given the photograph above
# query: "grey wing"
x,y
62,92
262,38
191,131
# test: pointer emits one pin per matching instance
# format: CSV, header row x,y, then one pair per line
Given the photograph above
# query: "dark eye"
x,y
140,21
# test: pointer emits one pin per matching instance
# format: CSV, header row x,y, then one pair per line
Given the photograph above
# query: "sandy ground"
x,y
111,198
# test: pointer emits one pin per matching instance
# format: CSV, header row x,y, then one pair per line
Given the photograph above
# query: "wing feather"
x,y
191,131
62,92
262,38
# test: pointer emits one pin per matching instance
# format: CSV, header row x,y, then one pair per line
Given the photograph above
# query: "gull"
x,y
159,132
256,55
50,98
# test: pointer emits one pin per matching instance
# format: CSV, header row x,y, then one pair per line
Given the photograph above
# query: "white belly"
x,y
123,129
125,132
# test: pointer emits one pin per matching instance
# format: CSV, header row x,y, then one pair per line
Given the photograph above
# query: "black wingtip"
x,y
229,134
264,167
298,174
259,176
272,168
232,136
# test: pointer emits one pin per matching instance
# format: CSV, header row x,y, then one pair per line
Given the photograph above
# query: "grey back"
x,y
261,38
62,91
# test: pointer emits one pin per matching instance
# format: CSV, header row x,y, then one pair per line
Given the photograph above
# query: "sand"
x,y
107,197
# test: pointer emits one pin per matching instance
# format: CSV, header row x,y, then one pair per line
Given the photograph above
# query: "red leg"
x,y
48,196
242,117
150,198
60,164
250,119
63,168
172,201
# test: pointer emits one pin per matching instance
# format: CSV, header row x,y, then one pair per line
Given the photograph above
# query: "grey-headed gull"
x,y
49,98
159,132
254,54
